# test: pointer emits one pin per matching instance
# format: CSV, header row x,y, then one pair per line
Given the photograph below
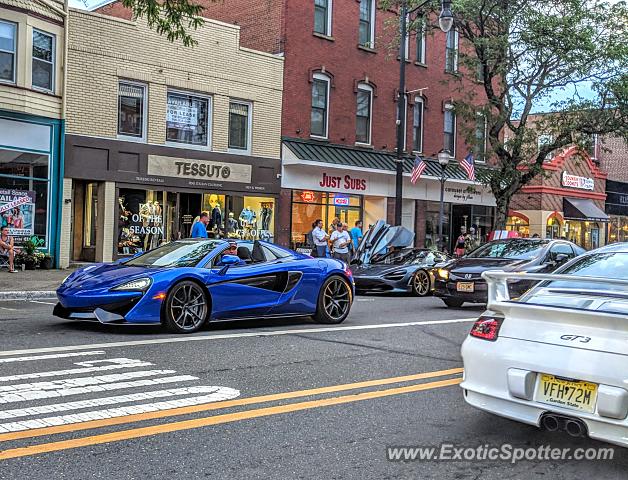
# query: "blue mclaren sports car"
x,y
186,283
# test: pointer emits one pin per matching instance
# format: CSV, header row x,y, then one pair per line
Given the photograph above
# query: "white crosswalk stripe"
x,y
50,356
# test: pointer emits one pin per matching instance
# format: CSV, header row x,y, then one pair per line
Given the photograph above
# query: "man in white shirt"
x,y
341,240
320,239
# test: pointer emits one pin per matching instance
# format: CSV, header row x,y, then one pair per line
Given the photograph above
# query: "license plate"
x,y
573,394
465,287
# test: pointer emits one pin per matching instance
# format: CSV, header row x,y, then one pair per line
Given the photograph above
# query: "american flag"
x,y
469,166
417,169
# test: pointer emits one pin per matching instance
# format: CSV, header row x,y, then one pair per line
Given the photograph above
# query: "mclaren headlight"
x,y
137,285
443,273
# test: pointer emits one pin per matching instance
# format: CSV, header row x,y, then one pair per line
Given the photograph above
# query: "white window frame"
x,y
249,126
450,108
366,88
453,32
131,138
210,113
483,159
330,8
420,35
419,102
324,78
371,42
53,63
14,52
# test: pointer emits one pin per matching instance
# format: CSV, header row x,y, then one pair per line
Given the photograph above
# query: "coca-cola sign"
x,y
574,181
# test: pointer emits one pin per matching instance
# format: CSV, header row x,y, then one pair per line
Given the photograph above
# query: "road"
x,y
281,399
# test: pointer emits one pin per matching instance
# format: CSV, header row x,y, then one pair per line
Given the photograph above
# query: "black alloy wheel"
x,y
334,300
186,307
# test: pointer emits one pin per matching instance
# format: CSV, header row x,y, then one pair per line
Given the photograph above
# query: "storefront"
x,y
31,165
329,181
148,195
617,210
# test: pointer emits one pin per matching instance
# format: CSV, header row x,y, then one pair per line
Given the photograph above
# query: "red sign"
x,y
345,183
307,196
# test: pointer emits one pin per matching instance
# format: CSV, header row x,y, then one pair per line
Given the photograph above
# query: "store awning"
x,y
310,151
583,209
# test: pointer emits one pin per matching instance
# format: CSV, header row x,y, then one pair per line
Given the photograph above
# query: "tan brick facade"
x,y
104,50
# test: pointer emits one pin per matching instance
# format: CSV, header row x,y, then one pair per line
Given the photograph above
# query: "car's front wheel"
x,y
334,300
453,302
186,307
421,283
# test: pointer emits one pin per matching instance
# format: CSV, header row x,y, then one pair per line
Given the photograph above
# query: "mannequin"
x,y
232,223
215,220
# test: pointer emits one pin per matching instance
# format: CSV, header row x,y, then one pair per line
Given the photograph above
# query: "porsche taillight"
x,y
486,328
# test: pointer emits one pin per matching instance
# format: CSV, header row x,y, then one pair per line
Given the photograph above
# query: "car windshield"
x,y
175,254
511,249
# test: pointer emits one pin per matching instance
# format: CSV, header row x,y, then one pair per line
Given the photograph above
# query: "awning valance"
x,y
583,209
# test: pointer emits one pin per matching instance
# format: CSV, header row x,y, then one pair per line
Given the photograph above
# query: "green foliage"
x,y
172,18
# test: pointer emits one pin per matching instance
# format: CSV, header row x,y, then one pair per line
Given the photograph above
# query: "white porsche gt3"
x,y
558,356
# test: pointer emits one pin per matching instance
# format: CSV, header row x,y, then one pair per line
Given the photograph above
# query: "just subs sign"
x,y
162,166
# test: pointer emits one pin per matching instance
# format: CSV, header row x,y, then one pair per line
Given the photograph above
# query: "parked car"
x,y
557,357
386,261
461,279
186,283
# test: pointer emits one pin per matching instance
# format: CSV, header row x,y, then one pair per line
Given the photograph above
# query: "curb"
x,y
33,295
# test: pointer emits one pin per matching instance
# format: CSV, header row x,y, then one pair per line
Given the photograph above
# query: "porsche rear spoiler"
x,y
497,281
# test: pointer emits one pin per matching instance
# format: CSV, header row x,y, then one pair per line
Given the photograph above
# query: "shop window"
x,y
24,207
553,228
322,16
140,220
131,110
90,212
451,51
450,129
43,60
23,164
187,119
367,23
518,224
8,50
363,114
417,125
431,224
320,105
240,126
618,229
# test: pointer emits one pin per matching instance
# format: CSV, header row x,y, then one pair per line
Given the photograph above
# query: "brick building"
x,y
157,133
339,111
32,86
612,153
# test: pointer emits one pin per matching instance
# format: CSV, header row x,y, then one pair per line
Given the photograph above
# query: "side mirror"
x,y
226,261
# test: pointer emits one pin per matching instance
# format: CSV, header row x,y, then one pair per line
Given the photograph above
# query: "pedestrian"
x,y
536,235
7,248
356,234
470,241
340,240
199,229
332,227
460,241
320,239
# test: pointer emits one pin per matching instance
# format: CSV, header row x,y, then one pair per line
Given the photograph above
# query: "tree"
x,y
525,53
172,18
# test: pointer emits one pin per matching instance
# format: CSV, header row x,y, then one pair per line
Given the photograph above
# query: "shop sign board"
x,y
17,211
343,182
186,168
574,181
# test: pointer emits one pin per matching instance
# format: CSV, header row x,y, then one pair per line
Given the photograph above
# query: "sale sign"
x,y
17,211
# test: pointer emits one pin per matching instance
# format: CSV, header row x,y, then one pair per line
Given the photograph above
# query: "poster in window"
x,y
181,115
17,211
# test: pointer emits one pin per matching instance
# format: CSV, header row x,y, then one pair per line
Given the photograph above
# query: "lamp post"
x,y
445,22
443,159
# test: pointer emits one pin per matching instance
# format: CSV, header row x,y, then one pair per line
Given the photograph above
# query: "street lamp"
x,y
443,159
445,22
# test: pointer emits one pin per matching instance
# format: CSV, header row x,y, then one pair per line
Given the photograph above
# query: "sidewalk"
x,y
31,284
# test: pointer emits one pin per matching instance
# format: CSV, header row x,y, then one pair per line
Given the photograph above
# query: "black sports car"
x,y
461,279
385,261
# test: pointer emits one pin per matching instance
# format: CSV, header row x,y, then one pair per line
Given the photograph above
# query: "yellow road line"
x,y
217,419
37,432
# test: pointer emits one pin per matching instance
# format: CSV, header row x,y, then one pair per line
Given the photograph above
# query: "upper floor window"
x,y
320,105
417,125
363,114
480,138
451,52
367,23
187,119
322,16
450,129
404,113
420,44
8,39
240,126
43,60
132,110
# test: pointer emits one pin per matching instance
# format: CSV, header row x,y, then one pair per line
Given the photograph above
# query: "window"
x,y
403,119
363,114
187,119
367,23
43,60
480,138
131,110
417,125
322,16
240,126
320,105
420,43
407,47
451,52
8,36
450,129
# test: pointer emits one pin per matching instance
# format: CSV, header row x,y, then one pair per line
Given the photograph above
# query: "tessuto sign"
x,y
574,181
198,169
346,182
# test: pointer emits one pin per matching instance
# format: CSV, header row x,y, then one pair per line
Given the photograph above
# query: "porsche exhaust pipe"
x,y
550,422
573,426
